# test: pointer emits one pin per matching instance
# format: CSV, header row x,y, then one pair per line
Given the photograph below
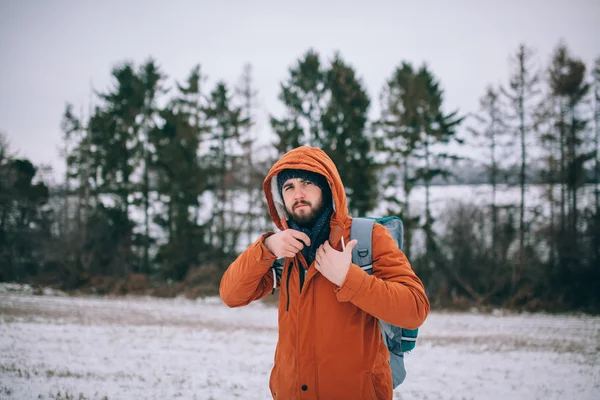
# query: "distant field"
x,y
142,348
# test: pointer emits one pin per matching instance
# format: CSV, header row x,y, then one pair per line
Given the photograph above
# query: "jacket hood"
x,y
310,159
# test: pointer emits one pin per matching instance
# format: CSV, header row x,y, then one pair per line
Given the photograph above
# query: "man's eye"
x,y
307,183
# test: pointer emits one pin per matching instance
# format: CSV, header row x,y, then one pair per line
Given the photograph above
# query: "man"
x,y
330,344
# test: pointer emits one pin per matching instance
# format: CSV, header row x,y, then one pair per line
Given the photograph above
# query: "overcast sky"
x,y
53,52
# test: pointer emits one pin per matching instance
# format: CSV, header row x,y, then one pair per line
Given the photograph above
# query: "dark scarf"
x,y
318,233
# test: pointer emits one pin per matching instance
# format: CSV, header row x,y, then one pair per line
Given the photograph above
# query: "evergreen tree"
x,y
550,142
436,130
596,98
568,86
151,79
225,122
303,95
345,136
523,90
22,227
493,127
180,177
327,107
250,176
398,142
415,129
114,128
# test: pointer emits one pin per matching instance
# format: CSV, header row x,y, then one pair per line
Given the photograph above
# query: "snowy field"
x,y
142,348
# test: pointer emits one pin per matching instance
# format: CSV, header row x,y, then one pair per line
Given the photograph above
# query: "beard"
x,y
305,216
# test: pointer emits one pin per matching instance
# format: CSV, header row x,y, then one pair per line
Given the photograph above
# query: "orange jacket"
x,y
330,345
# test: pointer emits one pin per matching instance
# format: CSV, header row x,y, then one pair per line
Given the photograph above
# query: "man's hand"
x,y
287,243
333,264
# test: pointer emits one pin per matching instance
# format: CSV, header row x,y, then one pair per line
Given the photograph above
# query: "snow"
x,y
130,348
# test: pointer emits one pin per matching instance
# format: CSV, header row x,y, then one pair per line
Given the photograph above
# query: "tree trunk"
x,y
515,274
573,185
597,173
494,174
563,181
406,212
146,264
427,184
223,193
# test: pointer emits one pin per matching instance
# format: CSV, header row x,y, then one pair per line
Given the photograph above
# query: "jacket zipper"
x,y
301,261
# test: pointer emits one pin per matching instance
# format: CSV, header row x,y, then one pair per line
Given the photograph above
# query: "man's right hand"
x,y
287,243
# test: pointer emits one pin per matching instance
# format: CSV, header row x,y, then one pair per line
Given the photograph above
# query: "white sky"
x,y
52,52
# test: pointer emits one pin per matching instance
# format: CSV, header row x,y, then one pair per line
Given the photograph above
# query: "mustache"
x,y
303,202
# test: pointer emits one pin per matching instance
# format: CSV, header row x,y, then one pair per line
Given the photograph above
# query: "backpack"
x,y
398,340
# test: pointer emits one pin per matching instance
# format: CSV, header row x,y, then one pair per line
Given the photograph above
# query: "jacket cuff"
x,y
260,253
352,284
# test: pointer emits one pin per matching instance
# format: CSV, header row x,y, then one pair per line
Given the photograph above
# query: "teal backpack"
x,y
398,340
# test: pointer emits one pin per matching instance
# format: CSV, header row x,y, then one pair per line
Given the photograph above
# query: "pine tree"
x,y
304,96
415,129
327,107
493,127
398,142
596,98
151,79
225,122
114,133
21,216
437,129
523,90
247,96
550,141
567,82
345,135
181,179
76,186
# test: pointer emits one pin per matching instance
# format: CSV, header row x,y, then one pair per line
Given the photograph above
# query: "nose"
x,y
298,193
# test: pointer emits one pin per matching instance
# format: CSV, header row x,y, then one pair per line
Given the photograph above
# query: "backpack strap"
x,y
362,230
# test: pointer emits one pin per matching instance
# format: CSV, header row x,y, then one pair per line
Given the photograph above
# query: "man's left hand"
x,y
333,264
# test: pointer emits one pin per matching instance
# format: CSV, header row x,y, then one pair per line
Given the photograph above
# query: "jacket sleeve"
x,y
249,277
393,293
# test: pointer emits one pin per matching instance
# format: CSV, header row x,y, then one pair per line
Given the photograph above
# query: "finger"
x,y
323,258
318,257
301,236
291,249
327,247
295,244
351,245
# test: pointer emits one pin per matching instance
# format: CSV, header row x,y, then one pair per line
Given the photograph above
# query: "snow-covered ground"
x,y
145,348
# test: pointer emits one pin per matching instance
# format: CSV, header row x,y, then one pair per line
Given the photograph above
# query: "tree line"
x,y
165,181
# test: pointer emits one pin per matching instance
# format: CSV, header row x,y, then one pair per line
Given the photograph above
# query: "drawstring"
x,y
287,286
274,280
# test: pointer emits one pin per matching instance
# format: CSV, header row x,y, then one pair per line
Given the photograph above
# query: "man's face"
x,y
303,201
